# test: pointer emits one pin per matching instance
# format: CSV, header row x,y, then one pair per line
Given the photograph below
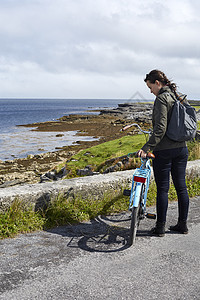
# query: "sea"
x,y
19,142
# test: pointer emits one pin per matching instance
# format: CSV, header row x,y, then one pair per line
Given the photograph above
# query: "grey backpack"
x,y
182,125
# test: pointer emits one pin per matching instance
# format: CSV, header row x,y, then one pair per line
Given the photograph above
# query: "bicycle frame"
x,y
139,190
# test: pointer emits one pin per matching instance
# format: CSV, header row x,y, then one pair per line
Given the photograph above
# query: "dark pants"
x,y
174,161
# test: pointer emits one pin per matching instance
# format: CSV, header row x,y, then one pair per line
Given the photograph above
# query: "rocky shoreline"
x,y
105,126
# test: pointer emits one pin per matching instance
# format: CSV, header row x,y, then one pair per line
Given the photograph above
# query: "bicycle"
x,y
117,232
139,190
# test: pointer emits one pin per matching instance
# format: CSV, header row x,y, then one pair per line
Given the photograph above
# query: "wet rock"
x,y
59,135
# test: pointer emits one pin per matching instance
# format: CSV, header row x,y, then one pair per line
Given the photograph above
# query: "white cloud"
x,y
96,49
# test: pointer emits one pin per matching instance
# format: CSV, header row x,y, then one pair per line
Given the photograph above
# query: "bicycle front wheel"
x,y
135,219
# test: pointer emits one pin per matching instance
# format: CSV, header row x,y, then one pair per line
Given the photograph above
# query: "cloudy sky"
x,y
97,48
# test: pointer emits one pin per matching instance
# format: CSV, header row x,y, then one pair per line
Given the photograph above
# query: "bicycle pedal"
x,y
150,216
127,192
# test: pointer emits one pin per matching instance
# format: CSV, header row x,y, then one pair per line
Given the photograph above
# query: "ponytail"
x,y
160,76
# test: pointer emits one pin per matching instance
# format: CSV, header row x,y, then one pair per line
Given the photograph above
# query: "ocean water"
x,y
18,142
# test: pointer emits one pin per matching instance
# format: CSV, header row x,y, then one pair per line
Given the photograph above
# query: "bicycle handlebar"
x,y
135,124
149,154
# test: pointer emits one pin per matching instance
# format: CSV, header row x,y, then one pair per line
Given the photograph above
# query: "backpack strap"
x,y
181,98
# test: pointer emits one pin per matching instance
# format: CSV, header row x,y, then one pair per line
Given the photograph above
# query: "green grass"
x,y
97,157
97,154
196,107
64,211
194,150
19,219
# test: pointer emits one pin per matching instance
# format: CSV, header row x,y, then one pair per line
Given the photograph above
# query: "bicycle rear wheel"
x,y
135,219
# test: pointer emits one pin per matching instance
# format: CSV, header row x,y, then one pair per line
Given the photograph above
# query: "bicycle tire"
x,y
133,227
135,219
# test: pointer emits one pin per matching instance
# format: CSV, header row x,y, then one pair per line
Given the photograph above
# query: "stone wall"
x,y
93,186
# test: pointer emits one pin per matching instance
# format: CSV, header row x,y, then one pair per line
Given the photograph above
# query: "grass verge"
x,y
19,219
62,211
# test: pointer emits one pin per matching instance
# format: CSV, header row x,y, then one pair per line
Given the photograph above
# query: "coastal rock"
x,y
137,112
114,168
14,178
59,135
48,176
29,170
87,171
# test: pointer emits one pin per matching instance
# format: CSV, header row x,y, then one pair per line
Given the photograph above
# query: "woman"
x,y
170,156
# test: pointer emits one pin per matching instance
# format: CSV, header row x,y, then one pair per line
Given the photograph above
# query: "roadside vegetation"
x,y
19,219
62,211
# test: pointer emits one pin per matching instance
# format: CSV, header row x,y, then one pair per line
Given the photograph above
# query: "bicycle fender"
x,y
136,198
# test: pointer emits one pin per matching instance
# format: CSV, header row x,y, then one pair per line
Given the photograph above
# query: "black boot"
x,y
159,229
180,227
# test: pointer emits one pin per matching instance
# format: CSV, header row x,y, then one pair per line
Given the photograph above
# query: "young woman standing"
x,y
170,156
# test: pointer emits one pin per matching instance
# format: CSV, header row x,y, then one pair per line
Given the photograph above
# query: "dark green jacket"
x,y
160,118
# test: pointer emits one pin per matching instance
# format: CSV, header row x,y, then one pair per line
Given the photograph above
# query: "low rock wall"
x,y
96,186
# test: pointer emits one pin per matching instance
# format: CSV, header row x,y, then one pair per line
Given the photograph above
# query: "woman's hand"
x,y
141,153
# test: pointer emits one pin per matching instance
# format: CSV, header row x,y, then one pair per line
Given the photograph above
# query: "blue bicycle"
x,y
139,190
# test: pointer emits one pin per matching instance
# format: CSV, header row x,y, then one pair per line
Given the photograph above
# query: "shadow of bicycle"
x,y
102,234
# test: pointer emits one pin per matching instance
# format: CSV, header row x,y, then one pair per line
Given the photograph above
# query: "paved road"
x,y
92,261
